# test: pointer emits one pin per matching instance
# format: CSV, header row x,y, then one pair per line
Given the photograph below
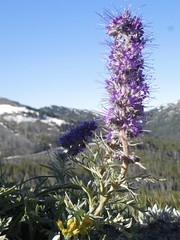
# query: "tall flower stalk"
x,y
127,86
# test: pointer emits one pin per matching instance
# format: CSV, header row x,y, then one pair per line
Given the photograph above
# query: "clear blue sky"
x,y
51,51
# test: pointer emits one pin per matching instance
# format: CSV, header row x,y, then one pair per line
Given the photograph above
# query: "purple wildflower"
x,y
74,140
126,86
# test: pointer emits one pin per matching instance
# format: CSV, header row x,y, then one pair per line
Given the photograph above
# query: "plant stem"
x,y
125,146
103,201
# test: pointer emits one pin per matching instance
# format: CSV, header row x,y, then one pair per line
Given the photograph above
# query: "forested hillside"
x,y
29,137
164,121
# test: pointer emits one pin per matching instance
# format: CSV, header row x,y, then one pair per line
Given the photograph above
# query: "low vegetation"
x,y
45,192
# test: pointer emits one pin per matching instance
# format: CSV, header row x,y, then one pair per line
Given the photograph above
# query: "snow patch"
x,y
19,118
19,114
5,108
52,121
49,120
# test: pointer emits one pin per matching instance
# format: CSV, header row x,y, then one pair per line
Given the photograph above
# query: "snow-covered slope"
x,y
6,108
24,129
24,114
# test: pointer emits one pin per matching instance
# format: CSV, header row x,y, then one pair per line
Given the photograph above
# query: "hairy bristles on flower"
x,y
127,86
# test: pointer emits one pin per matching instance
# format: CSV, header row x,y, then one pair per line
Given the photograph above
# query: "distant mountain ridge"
x,y
164,121
24,129
9,102
68,114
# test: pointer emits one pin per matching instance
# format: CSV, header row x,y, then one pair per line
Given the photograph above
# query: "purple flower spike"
x,y
126,86
74,140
